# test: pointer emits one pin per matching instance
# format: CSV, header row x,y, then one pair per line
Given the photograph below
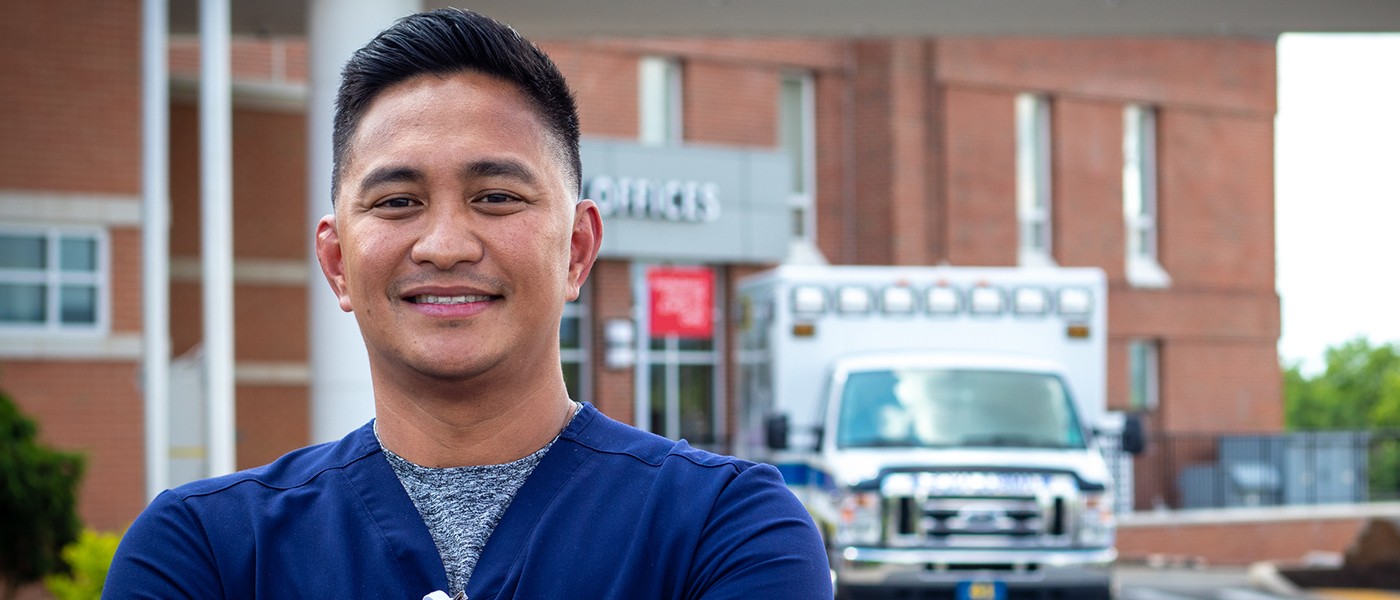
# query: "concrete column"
x,y
341,396
155,242
216,203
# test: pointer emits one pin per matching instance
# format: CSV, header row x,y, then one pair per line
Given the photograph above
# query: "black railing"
x,y
1190,471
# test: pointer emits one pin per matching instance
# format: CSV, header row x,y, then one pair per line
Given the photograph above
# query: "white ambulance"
x,y
939,424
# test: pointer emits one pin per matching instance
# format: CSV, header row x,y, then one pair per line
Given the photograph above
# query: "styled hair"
x,y
443,42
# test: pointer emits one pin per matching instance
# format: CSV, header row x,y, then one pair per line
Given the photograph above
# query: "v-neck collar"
x,y
540,490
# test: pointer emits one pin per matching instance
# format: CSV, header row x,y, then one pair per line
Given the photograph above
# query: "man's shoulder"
x,y
293,470
606,436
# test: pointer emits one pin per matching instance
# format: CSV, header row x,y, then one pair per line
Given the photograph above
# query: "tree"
x,y
1359,389
38,501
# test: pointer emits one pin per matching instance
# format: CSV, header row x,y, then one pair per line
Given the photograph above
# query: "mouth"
x,y
446,300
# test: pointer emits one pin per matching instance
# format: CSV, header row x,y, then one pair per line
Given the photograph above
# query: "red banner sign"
x,y
682,300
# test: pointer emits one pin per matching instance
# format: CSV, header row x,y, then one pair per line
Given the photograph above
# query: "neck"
x,y
469,426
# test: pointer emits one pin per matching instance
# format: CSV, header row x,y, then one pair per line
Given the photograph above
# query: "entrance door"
x,y
679,360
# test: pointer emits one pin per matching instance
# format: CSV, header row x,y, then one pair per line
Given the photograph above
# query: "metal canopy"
x,y
536,18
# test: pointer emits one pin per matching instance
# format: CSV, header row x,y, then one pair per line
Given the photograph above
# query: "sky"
x,y
1337,188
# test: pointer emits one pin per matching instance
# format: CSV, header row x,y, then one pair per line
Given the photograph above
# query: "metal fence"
x,y
1189,471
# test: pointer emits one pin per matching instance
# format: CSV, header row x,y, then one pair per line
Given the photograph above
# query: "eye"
x,y
498,198
397,202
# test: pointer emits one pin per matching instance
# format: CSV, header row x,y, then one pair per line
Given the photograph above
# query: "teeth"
x,y
425,299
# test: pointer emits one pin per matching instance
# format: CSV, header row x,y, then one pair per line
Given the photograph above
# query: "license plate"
x,y
981,590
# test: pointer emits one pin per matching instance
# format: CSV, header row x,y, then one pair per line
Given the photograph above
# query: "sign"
x,y
661,200
682,301
689,203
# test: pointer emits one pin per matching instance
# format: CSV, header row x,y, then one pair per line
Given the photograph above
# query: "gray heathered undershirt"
x,y
462,505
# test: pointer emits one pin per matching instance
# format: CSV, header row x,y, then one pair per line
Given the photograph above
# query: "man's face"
x,y
456,239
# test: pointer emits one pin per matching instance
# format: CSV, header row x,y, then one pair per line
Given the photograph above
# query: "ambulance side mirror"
x,y
1134,439
776,432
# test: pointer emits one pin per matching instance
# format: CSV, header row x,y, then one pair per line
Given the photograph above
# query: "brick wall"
x,y
95,408
613,391
915,165
980,148
835,165
731,104
1218,322
1240,539
61,137
269,207
1088,185
604,82
1226,74
250,59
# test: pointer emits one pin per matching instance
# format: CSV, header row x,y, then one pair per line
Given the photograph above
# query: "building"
x,y
1149,158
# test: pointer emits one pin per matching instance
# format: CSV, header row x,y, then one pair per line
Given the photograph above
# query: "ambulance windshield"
x,y
942,408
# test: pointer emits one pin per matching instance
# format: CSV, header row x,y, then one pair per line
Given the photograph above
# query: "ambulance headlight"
x,y
858,523
1096,522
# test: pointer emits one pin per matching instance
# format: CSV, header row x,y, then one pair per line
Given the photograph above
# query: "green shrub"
x,y
38,501
88,560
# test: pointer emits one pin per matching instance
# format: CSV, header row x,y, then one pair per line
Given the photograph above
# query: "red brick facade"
x,y
70,113
914,165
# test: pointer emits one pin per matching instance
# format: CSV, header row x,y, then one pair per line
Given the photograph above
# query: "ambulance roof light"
x,y
897,300
808,300
942,300
1075,302
1031,301
986,301
853,300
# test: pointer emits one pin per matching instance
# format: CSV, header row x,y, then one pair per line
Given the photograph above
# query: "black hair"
x,y
443,42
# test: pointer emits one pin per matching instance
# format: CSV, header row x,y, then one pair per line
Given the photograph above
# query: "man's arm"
x,y
164,555
759,542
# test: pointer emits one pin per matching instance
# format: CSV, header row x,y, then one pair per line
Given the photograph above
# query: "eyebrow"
x,y
479,169
390,174
500,168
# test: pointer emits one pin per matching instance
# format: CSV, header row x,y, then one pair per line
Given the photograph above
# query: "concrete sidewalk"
x,y
1265,576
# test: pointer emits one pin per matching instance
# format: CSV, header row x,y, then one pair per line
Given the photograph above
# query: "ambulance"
x,y
943,425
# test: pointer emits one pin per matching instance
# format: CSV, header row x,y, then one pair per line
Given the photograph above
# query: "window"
x,y
1143,381
797,120
574,346
660,100
1033,179
1140,196
53,279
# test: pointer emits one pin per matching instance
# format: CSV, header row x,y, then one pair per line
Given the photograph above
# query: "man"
x,y
456,240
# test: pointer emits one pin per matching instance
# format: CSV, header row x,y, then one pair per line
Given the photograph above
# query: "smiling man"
x,y
457,238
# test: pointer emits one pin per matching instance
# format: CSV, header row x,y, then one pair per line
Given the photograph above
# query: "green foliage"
x,y
88,560
38,500
1359,389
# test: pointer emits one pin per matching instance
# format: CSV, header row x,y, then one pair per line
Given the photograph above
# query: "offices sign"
x,y
688,203
666,200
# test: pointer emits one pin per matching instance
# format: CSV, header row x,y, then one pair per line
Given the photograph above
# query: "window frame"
x,y
801,201
1141,214
1149,397
53,278
1034,181
660,105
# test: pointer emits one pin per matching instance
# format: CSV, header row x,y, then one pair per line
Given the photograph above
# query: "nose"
x,y
448,237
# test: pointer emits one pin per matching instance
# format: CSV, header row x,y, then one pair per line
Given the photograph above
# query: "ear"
x,y
328,253
584,241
